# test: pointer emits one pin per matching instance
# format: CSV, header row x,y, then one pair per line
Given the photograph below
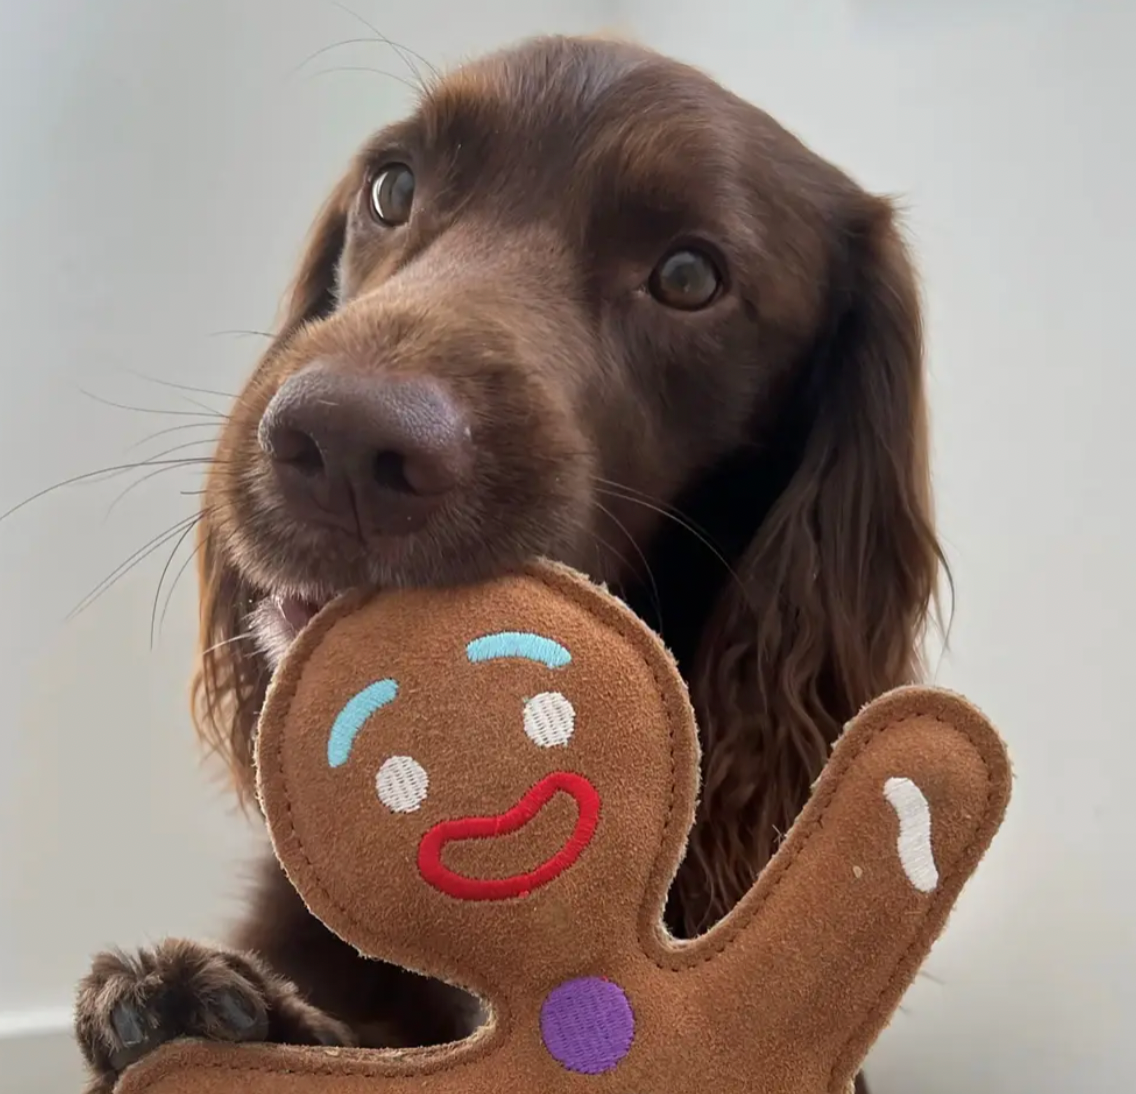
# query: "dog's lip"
x,y
277,620
296,612
291,614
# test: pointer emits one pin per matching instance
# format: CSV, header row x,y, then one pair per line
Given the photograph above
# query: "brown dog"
x,y
584,303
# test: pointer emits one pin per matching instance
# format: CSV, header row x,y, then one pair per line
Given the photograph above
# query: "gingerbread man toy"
x,y
493,785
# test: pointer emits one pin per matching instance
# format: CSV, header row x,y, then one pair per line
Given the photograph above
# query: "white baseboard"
x,y
38,1054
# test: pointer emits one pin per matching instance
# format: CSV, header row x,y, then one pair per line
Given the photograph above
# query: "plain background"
x,y
159,163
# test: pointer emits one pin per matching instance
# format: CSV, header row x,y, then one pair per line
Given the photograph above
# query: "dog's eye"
x,y
685,279
392,194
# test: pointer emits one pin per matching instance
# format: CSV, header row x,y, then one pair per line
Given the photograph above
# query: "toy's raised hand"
x,y
823,948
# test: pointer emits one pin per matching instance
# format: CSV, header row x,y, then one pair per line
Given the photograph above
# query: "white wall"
x,y
1007,127
159,163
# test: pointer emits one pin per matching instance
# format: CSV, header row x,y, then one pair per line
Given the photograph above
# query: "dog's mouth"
x,y
277,621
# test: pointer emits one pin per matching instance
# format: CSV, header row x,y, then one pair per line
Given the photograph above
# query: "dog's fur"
x,y
752,476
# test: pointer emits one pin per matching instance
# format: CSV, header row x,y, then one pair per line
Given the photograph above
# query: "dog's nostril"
x,y
388,469
366,454
297,449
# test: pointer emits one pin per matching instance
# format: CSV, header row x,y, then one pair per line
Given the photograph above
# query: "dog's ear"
x,y
836,586
229,683
312,293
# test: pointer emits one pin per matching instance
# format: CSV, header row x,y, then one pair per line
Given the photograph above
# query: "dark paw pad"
x,y
129,1005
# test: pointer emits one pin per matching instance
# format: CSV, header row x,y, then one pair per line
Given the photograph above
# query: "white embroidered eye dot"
x,y
549,719
402,783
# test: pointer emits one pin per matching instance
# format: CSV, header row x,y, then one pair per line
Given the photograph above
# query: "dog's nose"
x,y
371,455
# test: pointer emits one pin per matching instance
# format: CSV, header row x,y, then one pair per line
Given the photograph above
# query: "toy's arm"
x,y
840,921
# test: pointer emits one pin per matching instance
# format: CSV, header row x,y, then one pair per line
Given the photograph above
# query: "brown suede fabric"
x,y
785,996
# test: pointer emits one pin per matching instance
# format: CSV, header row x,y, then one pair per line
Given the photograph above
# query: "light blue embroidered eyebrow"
x,y
532,647
352,717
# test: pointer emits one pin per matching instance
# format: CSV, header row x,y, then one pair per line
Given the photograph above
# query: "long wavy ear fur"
x,y
228,685
837,584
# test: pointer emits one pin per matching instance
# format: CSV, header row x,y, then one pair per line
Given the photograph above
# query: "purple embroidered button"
x,y
587,1025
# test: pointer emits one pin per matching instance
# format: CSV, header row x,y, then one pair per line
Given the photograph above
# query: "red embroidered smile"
x,y
457,885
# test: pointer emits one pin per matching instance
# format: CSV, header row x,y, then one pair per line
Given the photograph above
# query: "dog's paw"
x,y
130,1004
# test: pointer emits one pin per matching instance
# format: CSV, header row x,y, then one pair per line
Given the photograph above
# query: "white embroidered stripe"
x,y
916,855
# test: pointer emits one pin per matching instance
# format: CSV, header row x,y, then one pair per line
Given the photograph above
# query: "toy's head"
x,y
434,761
493,786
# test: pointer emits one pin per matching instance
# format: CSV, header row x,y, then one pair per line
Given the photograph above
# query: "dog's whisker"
x,y
686,525
182,447
612,484
241,333
631,493
245,637
401,50
364,68
105,473
172,429
655,595
205,412
162,578
182,387
151,474
173,585
123,568
204,407
601,542
369,41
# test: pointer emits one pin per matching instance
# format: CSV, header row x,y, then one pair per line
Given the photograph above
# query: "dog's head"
x,y
585,303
